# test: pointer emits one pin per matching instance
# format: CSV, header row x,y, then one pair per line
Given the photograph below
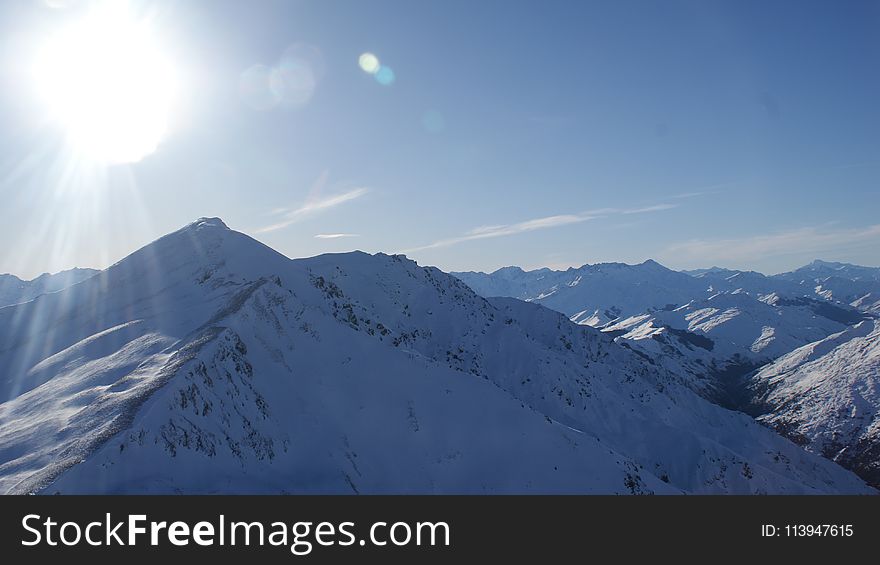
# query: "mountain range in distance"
x,y
206,362
14,290
770,346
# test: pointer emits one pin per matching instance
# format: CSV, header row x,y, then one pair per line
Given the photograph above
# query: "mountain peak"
x,y
652,266
828,265
511,270
206,222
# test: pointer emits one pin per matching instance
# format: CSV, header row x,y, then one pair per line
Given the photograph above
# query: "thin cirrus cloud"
x,y
335,235
646,209
684,195
547,222
312,206
487,232
808,241
710,190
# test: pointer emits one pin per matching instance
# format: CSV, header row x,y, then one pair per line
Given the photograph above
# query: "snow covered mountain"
x,y
826,396
840,282
207,362
819,269
14,290
715,340
592,294
750,282
710,327
722,325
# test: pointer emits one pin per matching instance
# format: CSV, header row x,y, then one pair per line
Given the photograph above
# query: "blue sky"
x,y
742,133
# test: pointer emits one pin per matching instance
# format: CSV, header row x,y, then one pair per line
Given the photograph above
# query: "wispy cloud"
x,y
709,190
646,209
684,195
486,232
335,235
547,222
808,241
317,202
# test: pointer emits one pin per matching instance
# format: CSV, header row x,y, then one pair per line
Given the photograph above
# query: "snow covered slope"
x,y
710,326
207,362
819,269
751,282
713,341
607,292
14,290
826,396
592,294
840,282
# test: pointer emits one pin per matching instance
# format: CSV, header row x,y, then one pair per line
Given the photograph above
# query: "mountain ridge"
x,y
716,327
208,362
14,290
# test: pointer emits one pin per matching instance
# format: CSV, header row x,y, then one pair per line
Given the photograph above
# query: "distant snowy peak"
x,y
798,280
608,293
819,269
510,272
751,282
14,290
845,283
592,294
708,327
710,270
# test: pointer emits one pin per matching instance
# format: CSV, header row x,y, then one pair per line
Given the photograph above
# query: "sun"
x,y
105,80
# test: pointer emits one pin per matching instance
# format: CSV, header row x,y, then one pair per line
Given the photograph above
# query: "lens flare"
x,y
290,83
385,76
296,75
369,63
255,88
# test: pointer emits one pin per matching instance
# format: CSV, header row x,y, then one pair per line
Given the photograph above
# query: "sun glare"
x,y
107,83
